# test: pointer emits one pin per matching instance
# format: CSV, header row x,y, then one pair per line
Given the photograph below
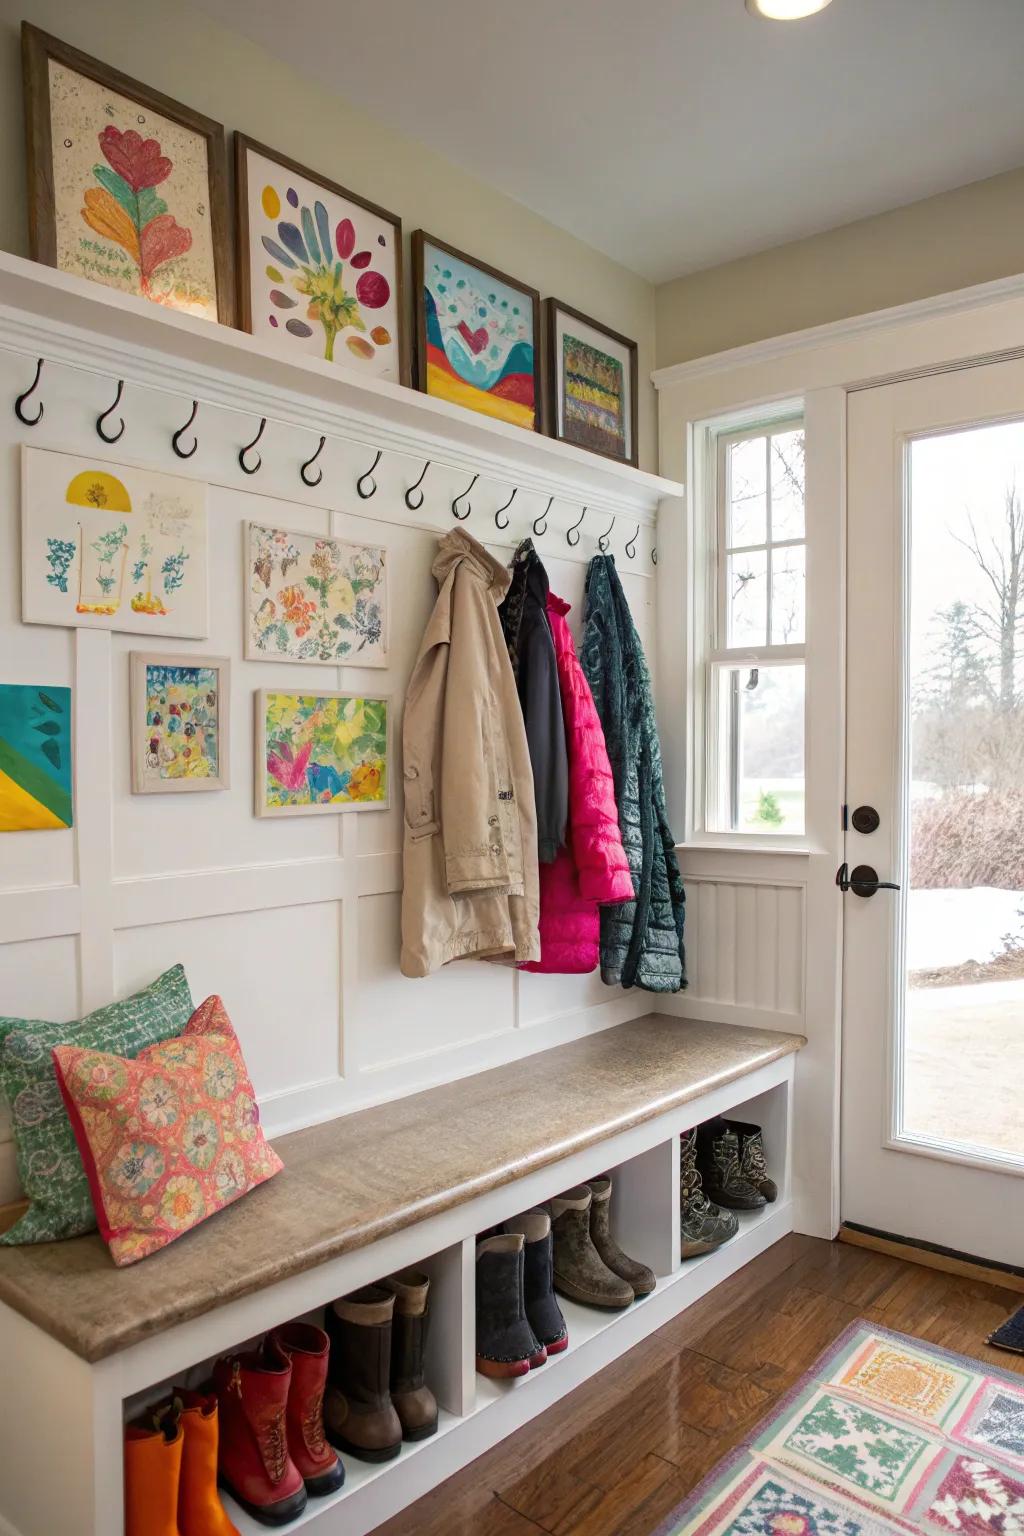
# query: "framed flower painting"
x,y
477,335
319,269
126,186
315,599
180,722
593,382
321,752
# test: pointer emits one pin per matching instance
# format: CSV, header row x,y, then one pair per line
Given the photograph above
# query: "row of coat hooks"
x,y
250,461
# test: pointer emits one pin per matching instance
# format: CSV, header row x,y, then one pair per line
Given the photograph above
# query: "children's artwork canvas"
x,y
109,546
476,333
319,752
311,598
320,268
593,379
35,758
180,723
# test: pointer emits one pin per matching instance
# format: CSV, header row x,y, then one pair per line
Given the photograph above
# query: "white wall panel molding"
x,y
745,949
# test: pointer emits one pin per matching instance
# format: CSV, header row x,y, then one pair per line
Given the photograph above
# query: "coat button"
x,y
412,773
492,821
495,848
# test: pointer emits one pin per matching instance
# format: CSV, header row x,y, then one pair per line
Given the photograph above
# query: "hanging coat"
x,y
592,867
470,850
524,623
641,940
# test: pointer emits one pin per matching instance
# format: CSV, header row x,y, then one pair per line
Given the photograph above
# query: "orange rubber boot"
x,y
152,1472
200,1511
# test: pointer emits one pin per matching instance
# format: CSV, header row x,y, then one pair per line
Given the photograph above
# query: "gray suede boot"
x,y
631,1270
580,1272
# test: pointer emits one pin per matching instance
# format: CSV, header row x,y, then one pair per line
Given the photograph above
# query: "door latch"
x,y
863,881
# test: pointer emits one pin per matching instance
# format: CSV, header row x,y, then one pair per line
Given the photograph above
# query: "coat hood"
x,y
558,605
460,548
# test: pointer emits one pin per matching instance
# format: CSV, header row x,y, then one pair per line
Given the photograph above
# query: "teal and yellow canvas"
x,y
35,758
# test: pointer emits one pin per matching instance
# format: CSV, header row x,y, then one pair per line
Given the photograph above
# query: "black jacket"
x,y
524,622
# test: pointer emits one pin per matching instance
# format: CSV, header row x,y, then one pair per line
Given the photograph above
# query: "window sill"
x,y
748,845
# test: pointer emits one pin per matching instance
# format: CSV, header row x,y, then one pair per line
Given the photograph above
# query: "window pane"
x,y
788,485
748,500
759,782
788,595
747,592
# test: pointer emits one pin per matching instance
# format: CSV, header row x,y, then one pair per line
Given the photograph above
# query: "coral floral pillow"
x,y
168,1138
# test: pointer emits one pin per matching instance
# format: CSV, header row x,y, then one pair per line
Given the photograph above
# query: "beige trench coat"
x,y
470,857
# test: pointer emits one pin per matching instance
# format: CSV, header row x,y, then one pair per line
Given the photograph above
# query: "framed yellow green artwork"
x,y
319,753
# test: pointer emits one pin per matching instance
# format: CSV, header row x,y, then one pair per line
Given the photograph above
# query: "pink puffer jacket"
x,y
592,867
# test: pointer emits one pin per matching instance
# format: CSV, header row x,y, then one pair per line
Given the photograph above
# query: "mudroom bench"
x,y
408,1182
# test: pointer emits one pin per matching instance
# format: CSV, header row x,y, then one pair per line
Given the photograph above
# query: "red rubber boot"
x,y
319,1466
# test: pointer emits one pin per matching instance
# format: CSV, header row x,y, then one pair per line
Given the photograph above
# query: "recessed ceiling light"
x,y
785,10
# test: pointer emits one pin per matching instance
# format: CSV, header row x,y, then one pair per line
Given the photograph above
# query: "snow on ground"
x,y
950,927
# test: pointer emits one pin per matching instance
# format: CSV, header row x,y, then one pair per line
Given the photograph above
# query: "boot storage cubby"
x,y
407,1184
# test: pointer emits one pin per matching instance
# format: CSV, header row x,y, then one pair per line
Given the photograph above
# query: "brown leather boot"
x,y
359,1415
414,1402
307,1348
631,1270
580,1272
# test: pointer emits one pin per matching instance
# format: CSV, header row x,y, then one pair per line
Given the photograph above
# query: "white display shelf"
x,y
64,318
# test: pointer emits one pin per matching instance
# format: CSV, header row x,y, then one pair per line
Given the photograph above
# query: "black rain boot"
x,y
753,1164
542,1310
413,1400
505,1342
718,1156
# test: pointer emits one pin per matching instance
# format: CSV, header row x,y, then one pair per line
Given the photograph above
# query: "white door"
x,y
933,1009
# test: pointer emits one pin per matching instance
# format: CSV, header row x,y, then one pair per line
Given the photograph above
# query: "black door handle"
x,y
863,881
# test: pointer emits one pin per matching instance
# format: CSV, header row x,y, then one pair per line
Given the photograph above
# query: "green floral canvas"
x,y
49,1164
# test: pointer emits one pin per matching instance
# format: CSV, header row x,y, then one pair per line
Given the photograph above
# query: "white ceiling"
x,y
676,134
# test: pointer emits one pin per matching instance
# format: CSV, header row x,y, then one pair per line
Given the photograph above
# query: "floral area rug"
x,y
884,1433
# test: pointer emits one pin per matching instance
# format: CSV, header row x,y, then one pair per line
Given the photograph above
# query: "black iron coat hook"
x,y
19,404
111,437
654,556
246,470
186,453
572,542
497,516
631,544
461,516
606,538
414,506
540,524
369,476
308,479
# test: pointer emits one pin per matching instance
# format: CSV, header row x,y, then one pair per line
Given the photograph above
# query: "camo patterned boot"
x,y
753,1165
718,1155
702,1225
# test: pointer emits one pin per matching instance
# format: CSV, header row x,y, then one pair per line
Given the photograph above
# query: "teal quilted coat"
x,y
641,940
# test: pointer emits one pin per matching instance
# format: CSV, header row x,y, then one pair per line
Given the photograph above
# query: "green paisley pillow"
x,y
49,1164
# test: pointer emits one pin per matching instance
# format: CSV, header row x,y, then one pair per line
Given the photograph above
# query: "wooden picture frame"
x,y
462,392
589,435
145,780
279,323
365,800
38,50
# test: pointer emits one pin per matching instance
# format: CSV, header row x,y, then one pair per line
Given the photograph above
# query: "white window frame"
x,y
710,774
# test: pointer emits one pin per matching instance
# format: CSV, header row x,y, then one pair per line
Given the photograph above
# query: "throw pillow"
x,y
49,1165
169,1138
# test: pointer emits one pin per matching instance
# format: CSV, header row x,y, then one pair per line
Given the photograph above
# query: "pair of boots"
x,y
273,1453
376,1393
589,1265
733,1166
518,1321
170,1471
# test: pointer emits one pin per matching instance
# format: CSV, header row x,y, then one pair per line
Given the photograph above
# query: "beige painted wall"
x,y
971,235
180,52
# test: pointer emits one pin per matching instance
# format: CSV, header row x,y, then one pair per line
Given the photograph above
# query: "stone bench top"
x,y
358,1178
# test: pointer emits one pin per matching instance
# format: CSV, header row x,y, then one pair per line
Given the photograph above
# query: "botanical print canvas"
x,y
321,752
323,271
35,758
594,398
132,195
179,723
314,599
109,546
479,339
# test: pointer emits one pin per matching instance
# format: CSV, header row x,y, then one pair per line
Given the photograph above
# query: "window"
x,y
755,608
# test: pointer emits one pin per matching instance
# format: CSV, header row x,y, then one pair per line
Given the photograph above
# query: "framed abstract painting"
x,y
35,758
321,752
112,546
126,186
477,335
180,714
593,384
315,599
319,269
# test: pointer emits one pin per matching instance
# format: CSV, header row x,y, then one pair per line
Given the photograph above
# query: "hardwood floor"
x,y
615,1456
